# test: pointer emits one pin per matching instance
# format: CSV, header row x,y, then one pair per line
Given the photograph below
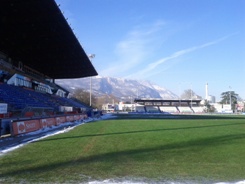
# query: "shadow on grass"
x,y
140,131
108,157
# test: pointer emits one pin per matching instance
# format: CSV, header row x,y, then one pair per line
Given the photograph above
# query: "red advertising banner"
x,y
69,118
21,127
81,117
48,122
76,117
60,120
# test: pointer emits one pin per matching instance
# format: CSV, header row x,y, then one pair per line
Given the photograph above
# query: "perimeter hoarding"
x,y
26,126
21,127
48,122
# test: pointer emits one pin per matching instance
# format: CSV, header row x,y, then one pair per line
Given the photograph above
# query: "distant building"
x,y
240,106
108,107
222,108
122,106
211,99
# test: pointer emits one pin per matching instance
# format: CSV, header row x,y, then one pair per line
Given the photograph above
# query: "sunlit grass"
x,y
210,148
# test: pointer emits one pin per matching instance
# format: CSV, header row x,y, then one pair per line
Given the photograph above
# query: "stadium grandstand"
x,y
37,46
146,105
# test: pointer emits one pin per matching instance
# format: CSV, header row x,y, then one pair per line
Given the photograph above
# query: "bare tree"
x,y
84,96
189,94
97,101
104,99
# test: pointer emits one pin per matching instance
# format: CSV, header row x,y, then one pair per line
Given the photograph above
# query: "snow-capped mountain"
x,y
118,87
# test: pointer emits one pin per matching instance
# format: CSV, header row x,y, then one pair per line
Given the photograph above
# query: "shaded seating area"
x,y
140,108
152,109
170,109
20,99
68,102
198,109
185,109
170,106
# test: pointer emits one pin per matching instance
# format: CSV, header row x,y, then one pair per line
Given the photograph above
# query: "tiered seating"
x,y
140,108
76,103
68,102
185,109
170,109
152,109
19,98
198,109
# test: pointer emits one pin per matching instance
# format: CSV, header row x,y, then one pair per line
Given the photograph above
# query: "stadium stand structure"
x,y
169,109
168,106
38,46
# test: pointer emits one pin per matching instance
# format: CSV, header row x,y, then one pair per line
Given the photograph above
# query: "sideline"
x,y
8,144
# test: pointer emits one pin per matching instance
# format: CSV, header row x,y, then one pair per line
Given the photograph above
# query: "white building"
x,y
124,107
108,107
211,99
222,108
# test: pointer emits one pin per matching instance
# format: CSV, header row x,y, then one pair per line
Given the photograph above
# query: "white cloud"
x,y
150,68
134,49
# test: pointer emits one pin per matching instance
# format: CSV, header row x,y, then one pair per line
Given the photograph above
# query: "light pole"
x,y
91,56
179,94
191,96
230,97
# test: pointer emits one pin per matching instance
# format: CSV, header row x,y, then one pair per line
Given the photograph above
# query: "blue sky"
x,y
176,44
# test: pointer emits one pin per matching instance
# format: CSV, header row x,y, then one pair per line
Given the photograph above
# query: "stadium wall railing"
x,y
15,127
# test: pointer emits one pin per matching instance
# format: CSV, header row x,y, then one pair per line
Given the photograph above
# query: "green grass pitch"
x,y
157,147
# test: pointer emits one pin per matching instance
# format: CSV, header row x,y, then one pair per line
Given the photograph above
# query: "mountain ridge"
x,y
119,87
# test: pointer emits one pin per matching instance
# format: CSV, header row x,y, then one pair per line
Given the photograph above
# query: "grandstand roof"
x,y
162,100
36,33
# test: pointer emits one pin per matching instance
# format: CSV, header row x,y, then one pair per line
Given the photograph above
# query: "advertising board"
x,y
69,118
76,117
20,127
47,122
60,120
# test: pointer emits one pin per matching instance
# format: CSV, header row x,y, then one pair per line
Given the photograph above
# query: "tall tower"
x,y
206,94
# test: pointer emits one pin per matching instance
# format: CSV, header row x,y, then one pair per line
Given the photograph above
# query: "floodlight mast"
x,y
230,97
191,96
91,56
